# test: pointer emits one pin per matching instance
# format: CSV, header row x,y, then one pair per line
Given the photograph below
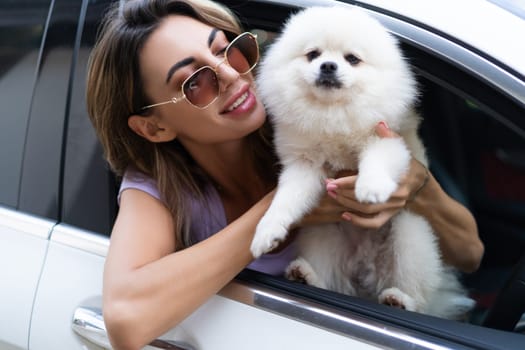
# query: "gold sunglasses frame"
x,y
214,69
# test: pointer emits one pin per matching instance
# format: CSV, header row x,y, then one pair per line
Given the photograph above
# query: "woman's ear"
x,y
148,127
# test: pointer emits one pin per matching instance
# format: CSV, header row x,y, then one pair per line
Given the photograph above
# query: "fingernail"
x,y
347,216
331,186
384,124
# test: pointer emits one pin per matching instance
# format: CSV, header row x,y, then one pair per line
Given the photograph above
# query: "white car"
x,y
57,197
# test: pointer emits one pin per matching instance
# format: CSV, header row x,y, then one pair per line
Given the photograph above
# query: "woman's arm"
x,y
149,288
453,223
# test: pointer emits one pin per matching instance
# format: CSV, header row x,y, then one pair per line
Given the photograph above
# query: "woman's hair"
x,y
115,92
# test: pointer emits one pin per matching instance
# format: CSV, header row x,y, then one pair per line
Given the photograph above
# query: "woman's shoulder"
x,y
134,179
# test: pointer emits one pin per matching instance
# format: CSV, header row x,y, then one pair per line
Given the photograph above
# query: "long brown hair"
x,y
115,91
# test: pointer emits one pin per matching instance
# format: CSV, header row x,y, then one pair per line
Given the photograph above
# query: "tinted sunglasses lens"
x,y
243,53
202,88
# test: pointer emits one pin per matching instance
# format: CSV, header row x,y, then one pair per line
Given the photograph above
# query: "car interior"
x,y
474,135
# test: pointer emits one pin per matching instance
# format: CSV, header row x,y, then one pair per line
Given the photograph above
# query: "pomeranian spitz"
x,y
328,79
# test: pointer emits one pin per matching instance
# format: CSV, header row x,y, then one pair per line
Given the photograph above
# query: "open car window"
x,y
474,132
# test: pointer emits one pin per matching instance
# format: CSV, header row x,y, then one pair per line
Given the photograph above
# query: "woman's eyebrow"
x,y
189,60
178,65
212,36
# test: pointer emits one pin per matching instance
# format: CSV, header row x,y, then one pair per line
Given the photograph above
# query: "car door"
x,y
37,40
255,310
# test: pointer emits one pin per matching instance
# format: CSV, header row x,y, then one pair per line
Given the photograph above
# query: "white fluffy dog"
x,y
327,80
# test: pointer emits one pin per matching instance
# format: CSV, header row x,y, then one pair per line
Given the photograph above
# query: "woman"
x,y
171,96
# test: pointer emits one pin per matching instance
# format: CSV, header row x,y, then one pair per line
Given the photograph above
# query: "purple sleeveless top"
x,y
209,218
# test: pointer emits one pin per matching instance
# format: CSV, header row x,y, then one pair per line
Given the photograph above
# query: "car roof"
x,y
491,27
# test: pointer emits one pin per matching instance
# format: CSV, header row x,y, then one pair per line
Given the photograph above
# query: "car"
x,y
58,196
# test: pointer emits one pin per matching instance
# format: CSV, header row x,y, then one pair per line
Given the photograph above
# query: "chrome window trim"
x,y
26,223
343,323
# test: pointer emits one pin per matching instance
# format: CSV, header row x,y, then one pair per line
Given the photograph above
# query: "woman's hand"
x,y
367,215
340,201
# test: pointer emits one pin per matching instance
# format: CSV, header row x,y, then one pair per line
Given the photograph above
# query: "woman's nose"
x,y
226,74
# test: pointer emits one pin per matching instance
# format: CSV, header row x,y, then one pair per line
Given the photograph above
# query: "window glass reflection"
x,y
21,29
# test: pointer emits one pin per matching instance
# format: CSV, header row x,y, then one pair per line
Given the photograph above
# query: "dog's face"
x,y
337,56
329,71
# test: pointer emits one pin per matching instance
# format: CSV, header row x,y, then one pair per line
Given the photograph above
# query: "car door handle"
x,y
88,322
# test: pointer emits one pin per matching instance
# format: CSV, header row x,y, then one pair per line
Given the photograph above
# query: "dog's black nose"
x,y
328,78
328,67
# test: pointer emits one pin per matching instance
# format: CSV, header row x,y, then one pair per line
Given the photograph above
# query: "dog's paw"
x,y
301,271
267,237
374,189
396,298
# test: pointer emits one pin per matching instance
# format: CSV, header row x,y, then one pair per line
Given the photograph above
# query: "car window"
x,y
476,153
475,135
89,186
21,30
42,160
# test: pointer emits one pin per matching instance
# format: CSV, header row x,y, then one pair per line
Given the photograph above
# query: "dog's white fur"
x,y
325,123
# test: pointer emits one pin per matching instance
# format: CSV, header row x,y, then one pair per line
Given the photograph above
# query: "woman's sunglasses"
x,y
201,88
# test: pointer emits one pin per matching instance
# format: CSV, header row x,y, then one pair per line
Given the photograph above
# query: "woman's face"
x,y
176,49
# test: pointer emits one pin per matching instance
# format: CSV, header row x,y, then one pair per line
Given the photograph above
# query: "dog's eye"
x,y
352,59
312,55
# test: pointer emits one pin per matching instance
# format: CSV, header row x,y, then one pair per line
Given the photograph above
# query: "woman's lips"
x,y
237,102
242,103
